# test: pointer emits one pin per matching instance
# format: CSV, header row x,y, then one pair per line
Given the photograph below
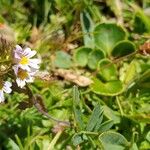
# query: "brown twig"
x,y
40,107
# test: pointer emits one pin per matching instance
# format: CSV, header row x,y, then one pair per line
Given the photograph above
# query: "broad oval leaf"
x,y
111,88
107,70
94,57
62,60
81,56
106,35
123,48
113,140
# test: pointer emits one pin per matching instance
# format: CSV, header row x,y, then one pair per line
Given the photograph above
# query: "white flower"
x,y
24,60
4,87
23,76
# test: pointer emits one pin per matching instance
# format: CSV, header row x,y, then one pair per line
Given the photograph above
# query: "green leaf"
x,y
76,108
107,35
77,139
110,114
106,126
110,88
81,56
113,141
12,145
134,147
78,117
148,136
95,117
94,57
87,28
141,21
62,60
123,48
131,72
107,70
98,124
143,81
115,6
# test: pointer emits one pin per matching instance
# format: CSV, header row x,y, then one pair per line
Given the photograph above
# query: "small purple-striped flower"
x,y
23,58
23,76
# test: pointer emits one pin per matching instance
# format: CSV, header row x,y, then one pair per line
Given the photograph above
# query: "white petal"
x,y
17,56
35,61
7,89
7,86
18,49
24,67
30,80
29,53
35,66
1,96
20,83
33,70
26,51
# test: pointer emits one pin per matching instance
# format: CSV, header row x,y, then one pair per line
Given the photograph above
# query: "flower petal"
x,y
35,61
29,53
30,80
24,67
7,86
20,83
1,96
18,49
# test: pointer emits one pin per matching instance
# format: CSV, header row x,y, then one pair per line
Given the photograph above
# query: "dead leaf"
x,y
72,76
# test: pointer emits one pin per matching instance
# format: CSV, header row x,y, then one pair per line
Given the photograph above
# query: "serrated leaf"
x,y
95,117
98,124
106,126
76,108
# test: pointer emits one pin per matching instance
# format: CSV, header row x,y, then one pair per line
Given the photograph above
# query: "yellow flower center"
x,y
24,61
22,74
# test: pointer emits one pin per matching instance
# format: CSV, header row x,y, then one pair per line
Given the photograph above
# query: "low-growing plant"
x,y
74,75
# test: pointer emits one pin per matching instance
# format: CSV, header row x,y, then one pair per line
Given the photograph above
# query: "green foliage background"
x,y
113,113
